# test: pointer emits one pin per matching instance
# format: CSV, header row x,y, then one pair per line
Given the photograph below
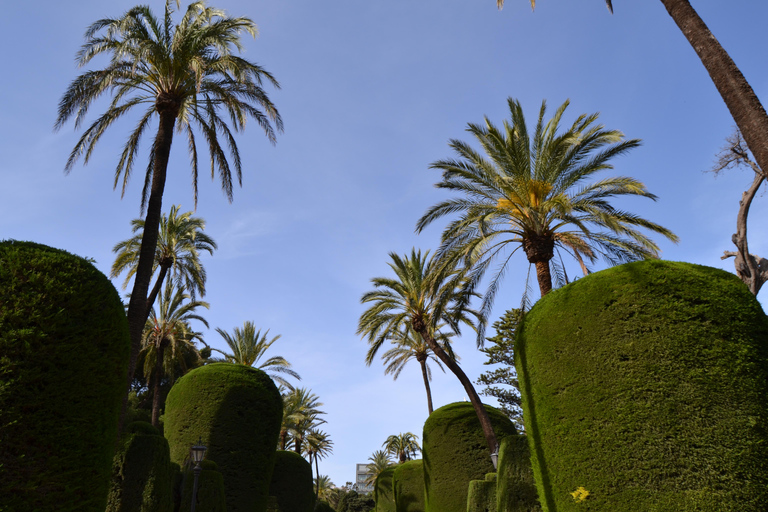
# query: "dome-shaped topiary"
x,y
236,411
383,493
455,453
408,486
644,388
63,361
292,483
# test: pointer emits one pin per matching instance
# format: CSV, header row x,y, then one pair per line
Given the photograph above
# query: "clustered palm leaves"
x,y
379,461
317,445
248,346
186,76
301,413
323,487
402,446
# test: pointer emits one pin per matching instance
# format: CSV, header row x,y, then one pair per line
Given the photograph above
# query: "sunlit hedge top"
x,y
646,385
63,362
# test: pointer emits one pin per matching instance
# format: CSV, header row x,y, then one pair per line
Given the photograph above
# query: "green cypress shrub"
x,y
210,489
515,488
455,453
63,361
292,483
408,486
481,495
142,476
236,411
383,493
323,506
645,386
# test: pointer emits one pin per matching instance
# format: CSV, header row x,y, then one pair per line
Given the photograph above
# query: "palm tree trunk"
x,y
544,277
283,438
297,445
317,485
474,398
158,374
156,289
426,384
743,104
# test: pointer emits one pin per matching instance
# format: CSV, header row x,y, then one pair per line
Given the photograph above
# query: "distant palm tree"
x,y
167,335
180,241
323,487
410,345
379,461
317,445
300,413
248,346
184,75
402,446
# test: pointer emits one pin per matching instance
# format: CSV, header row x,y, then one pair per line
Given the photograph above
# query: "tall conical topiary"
x,y
236,411
455,453
63,362
292,483
644,388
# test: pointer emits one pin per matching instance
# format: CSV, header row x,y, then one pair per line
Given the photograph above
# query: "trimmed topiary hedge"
x,y
646,385
236,411
210,489
142,477
383,493
63,361
481,494
292,483
323,506
408,486
455,453
515,488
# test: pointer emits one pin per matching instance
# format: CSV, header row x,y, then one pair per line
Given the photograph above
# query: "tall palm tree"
x,y
407,346
166,335
738,95
527,190
317,445
301,411
184,75
402,446
180,241
379,461
425,294
248,346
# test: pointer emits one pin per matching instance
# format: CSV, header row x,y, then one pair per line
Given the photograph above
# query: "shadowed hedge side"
x,y
408,486
210,489
236,411
292,483
481,494
515,488
383,493
455,453
63,362
646,385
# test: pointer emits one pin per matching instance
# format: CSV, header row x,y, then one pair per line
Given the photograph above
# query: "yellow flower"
x,y
580,494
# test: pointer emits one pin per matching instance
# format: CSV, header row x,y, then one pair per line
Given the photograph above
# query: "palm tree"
x,y
425,294
168,328
323,487
248,347
300,413
379,462
529,192
317,445
184,75
410,345
180,241
402,446
738,95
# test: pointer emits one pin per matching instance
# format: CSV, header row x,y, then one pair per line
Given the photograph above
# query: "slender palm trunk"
x,y
743,104
283,438
544,277
297,445
426,384
317,486
158,374
474,398
156,289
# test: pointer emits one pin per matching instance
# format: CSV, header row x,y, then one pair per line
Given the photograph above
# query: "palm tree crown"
x,y
379,461
527,190
402,446
301,413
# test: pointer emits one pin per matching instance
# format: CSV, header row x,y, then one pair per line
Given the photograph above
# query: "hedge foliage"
x,y
646,385
323,506
455,453
236,411
516,490
63,361
383,493
292,483
142,477
210,489
408,486
481,495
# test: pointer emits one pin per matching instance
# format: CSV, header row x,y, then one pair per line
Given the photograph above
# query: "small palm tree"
x,y
323,487
402,446
248,346
317,445
180,241
167,335
379,462
301,412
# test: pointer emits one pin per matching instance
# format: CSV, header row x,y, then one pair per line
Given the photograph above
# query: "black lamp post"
x,y
197,453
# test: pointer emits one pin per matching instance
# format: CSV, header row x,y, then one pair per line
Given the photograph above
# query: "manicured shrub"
x,y
63,361
142,477
210,489
323,506
408,486
455,453
383,493
481,494
236,411
354,502
645,386
515,488
292,483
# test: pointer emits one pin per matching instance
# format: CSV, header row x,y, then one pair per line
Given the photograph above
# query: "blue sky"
x,y
371,94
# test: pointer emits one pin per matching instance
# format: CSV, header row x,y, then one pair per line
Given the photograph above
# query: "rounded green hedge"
x,y
292,483
63,361
408,486
210,490
142,476
455,453
236,411
646,384
516,490
383,493
323,506
481,495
